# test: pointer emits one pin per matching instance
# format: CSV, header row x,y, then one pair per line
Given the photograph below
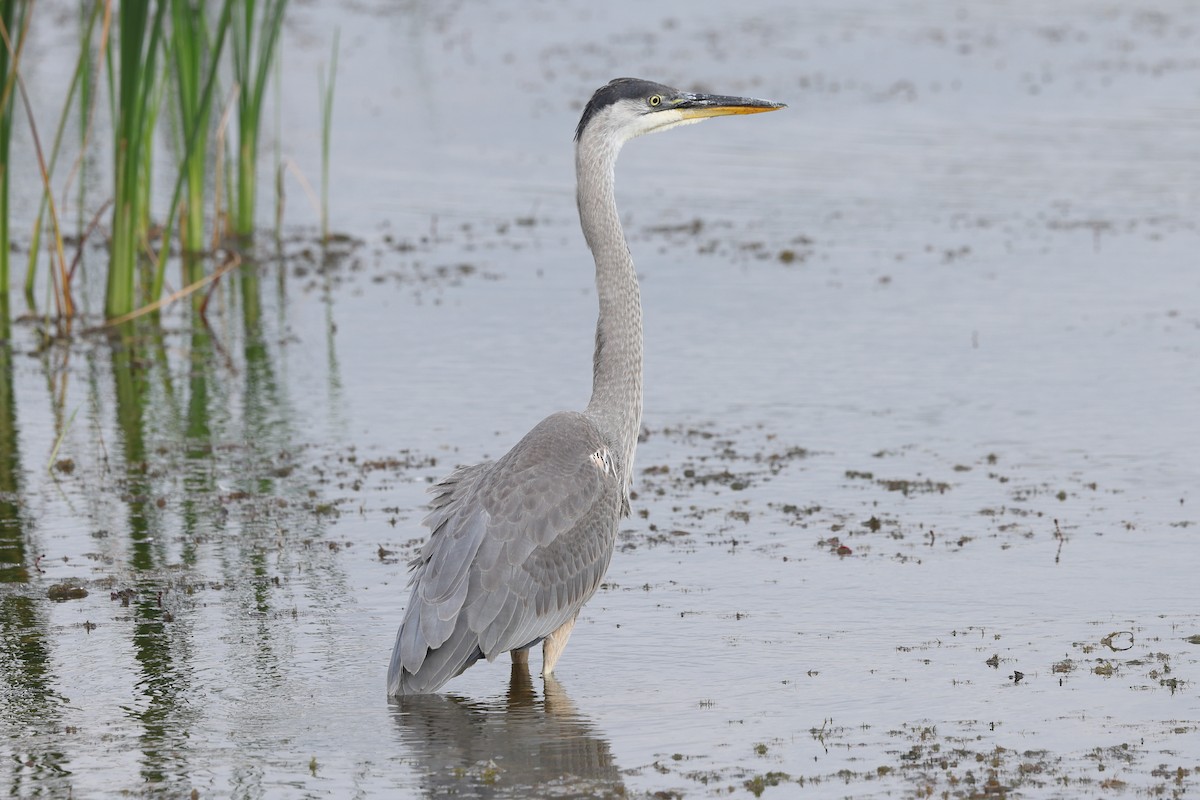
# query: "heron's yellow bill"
x,y
699,106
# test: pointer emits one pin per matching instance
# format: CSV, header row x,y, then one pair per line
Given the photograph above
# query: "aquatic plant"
x,y
254,38
162,51
196,57
81,84
326,100
189,34
14,16
139,39
14,85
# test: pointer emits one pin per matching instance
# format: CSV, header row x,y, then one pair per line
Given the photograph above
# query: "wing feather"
x,y
483,608
516,547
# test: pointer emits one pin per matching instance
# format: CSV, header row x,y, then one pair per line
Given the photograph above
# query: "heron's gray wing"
x,y
516,548
438,591
553,506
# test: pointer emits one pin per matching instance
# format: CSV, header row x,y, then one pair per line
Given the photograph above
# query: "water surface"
x,y
915,502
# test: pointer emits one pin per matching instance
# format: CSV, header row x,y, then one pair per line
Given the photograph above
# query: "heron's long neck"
x,y
616,403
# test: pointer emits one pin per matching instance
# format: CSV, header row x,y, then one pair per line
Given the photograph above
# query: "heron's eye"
x,y
655,100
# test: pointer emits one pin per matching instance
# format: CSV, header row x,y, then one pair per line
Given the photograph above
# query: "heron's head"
x,y
629,107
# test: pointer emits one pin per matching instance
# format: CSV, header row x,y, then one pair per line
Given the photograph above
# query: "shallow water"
x,y
915,504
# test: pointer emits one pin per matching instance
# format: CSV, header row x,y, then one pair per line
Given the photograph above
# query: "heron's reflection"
x,y
520,746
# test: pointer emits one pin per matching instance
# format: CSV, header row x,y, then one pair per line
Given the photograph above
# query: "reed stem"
x,y
326,99
13,24
79,82
139,40
254,39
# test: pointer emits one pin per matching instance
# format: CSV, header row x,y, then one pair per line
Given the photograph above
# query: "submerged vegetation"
x,y
163,72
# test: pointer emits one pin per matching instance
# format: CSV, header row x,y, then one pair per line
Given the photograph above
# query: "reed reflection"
x,y
13,560
519,746
31,706
161,647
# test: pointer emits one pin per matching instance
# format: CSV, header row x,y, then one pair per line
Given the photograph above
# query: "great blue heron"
x,y
518,545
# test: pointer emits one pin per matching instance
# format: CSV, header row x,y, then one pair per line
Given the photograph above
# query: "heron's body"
x,y
518,545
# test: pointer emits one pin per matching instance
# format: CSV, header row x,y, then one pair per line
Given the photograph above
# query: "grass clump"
x,y
759,783
150,55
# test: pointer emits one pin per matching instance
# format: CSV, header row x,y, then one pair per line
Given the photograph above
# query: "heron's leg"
x,y
520,656
553,647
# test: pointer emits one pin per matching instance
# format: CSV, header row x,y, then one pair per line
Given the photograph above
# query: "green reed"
x,y
81,83
163,53
13,15
158,90
326,100
196,59
255,36
134,97
190,46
